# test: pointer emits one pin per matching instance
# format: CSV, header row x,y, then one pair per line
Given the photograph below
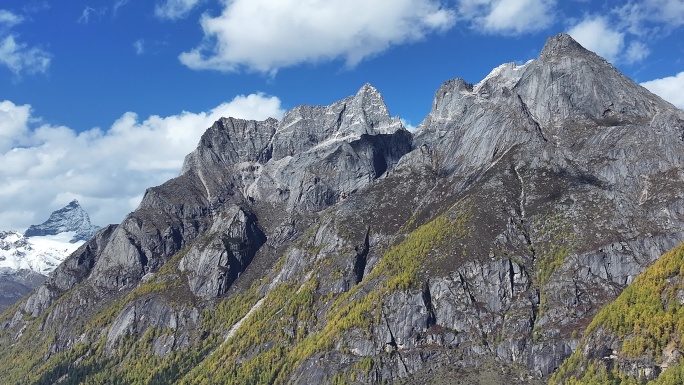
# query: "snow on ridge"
x,y
508,74
41,254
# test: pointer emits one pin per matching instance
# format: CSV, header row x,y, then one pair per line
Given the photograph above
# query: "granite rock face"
x,y
336,246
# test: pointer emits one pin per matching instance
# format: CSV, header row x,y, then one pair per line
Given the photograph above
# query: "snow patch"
x,y
506,75
41,254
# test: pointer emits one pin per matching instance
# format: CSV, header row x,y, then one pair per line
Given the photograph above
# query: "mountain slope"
x,y
637,337
336,247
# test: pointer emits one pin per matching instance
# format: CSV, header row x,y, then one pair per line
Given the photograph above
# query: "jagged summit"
x,y
568,81
563,45
70,218
368,89
305,127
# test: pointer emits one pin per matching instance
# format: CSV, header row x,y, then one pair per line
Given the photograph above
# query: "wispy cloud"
x,y
650,17
636,52
89,12
175,9
509,17
122,161
139,46
265,35
35,6
20,58
17,56
9,19
118,4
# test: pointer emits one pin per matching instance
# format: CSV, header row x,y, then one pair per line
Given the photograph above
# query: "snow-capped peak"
x,y
43,247
71,218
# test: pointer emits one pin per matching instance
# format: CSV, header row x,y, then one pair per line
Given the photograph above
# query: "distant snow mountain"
x,y
41,254
26,259
70,218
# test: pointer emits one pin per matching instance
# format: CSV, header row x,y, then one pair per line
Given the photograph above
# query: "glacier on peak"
x,y
505,75
41,254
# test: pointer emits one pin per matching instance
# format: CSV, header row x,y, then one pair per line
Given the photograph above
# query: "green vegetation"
x,y
284,319
648,320
270,348
555,240
133,361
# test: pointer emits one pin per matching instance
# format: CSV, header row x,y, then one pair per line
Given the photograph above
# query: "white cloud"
x,y
175,9
508,16
139,46
669,88
44,167
595,34
13,124
9,19
265,35
668,11
88,11
650,17
636,52
118,4
19,58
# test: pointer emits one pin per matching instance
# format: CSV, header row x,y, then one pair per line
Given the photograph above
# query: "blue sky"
x,y
100,99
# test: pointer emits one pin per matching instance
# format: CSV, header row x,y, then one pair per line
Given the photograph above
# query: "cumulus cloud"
x,y
175,9
669,88
595,34
265,35
13,123
508,16
45,166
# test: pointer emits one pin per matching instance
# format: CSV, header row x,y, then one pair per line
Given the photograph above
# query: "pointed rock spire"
x,y
562,45
70,218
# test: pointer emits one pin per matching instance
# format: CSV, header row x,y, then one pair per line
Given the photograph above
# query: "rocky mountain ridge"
x,y
336,247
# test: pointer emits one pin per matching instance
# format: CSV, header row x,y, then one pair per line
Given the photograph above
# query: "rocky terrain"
x,y
26,259
334,246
